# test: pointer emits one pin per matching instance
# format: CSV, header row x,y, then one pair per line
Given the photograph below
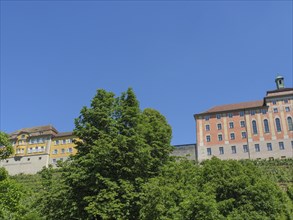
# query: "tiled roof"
x,y
232,107
280,92
64,134
35,131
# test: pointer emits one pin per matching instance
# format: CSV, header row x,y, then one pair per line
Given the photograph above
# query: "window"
x,y
274,102
220,137
30,150
269,147
233,148
218,116
219,126
257,148
264,111
254,127
252,112
281,146
23,136
208,137
232,136
242,124
243,134
55,151
230,115
63,151
37,149
28,159
286,101
56,142
231,125
40,158
287,109
275,110
283,157
42,149
278,125
266,125
292,144
207,127
241,113
64,141
245,148
207,118
290,124
221,149
209,151
70,150
54,160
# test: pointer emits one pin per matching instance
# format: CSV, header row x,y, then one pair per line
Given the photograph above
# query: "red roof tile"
x,y
236,106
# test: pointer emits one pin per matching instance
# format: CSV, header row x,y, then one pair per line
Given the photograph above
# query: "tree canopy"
x,y
6,148
119,148
215,189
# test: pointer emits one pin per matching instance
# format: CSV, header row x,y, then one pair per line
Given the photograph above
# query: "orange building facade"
x,y
248,130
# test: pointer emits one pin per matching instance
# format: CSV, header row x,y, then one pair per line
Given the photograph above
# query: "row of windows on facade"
x,y
64,141
232,136
63,151
54,160
254,125
285,101
31,150
41,140
245,149
251,112
28,159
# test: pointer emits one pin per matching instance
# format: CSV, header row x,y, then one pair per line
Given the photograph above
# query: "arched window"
x,y
266,126
254,127
290,124
278,124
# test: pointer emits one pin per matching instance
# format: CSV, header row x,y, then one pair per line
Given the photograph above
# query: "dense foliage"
x,y
214,190
120,147
6,148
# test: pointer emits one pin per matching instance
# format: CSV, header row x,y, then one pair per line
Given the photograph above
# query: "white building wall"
x,y
26,164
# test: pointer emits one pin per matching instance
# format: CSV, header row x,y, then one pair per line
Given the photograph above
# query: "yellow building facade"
x,y
38,147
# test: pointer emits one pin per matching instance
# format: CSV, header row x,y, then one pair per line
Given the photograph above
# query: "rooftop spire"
x,y
279,81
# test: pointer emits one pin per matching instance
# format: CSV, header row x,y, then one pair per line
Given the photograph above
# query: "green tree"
x,y
175,194
6,148
243,191
215,189
10,194
120,147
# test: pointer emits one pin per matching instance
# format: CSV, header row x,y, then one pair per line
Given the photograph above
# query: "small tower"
x,y
280,82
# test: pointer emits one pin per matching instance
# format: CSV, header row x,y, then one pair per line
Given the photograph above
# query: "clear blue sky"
x,y
180,57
